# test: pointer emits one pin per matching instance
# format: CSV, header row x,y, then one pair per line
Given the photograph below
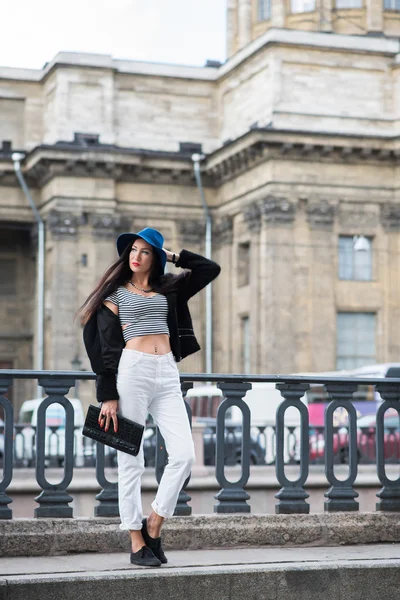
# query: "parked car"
x,y
25,433
233,444
366,440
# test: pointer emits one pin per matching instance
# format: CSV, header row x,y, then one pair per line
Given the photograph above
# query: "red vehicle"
x,y
366,440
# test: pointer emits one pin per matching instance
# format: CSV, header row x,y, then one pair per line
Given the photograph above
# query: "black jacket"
x,y
103,337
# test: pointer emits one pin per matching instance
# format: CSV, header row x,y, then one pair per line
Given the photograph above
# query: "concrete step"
x,y
362,572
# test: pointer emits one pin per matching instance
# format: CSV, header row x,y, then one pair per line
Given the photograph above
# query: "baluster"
x,y
390,493
292,496
108,497
341,495
5,500
232,497
53,500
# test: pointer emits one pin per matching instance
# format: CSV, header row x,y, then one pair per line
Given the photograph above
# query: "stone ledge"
x,y
50,537
353,581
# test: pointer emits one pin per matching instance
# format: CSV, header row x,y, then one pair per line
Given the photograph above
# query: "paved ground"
x,y
11,568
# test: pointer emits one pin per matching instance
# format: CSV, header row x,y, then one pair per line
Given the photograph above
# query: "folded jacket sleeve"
x,y
201,272
106,387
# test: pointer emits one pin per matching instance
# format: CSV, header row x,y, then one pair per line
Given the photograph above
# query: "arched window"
x,y
391,4
264,10
349,3
300,6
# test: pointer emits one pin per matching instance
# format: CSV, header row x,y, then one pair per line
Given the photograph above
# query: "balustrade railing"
x,y
225,443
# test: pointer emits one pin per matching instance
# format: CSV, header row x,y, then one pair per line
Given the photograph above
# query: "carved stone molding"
x,y
223,231
105,225
62,224
390,216
252,216
192,232
277,210
320,214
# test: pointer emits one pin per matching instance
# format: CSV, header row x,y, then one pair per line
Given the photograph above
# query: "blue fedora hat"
x,y
149,235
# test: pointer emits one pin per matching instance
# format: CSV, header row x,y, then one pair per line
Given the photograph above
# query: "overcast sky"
x,y
171,31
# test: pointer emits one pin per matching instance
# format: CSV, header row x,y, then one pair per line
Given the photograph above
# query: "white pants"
x,y
149,383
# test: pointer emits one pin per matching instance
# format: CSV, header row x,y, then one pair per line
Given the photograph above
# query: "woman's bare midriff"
x,y
150,344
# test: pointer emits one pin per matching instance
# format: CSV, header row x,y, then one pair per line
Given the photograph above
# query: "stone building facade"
x,y
299,129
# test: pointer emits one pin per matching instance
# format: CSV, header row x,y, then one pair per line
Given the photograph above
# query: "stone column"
x,y
278,13
231,27
252,218
244,23
325,20
389,348
192,236
61,281
224,335
320,215
374,16
278,293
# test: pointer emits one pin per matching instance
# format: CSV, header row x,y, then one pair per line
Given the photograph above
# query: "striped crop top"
x,y
143,315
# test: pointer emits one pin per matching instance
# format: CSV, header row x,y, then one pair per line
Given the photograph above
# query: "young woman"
x,y
137,327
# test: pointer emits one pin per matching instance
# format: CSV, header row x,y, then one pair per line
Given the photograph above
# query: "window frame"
x,y
355,268
299,11
356,360
264,10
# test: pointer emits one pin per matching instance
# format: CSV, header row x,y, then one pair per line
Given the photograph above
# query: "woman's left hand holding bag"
x,y
108,413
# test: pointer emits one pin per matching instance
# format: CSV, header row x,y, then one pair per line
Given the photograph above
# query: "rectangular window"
x,y
300,6
355,346
354,264
264,10
243,263
246,348
349,3
391,4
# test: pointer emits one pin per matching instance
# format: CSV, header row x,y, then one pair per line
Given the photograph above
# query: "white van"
x,y
55,431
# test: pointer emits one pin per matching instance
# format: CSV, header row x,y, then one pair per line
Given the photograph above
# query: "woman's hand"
x,y
108,413
171,255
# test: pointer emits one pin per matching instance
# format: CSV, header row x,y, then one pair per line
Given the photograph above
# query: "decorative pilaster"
x,y
223,231
277,210
320,214
192,232
390,216
62,224
252,217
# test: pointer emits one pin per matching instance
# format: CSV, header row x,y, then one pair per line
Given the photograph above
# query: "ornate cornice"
x,y
226,162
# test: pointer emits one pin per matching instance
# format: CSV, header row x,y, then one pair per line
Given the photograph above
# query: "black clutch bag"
x,y
127,439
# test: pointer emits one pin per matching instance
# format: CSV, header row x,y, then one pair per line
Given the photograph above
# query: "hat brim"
x,y
128,238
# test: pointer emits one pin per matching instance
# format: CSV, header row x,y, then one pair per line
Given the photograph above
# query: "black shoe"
x,y
153,543
145,558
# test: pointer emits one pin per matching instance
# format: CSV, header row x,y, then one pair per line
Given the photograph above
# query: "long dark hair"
x,y
118,274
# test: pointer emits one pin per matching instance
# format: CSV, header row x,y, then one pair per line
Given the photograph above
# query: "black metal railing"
x,y
281,444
